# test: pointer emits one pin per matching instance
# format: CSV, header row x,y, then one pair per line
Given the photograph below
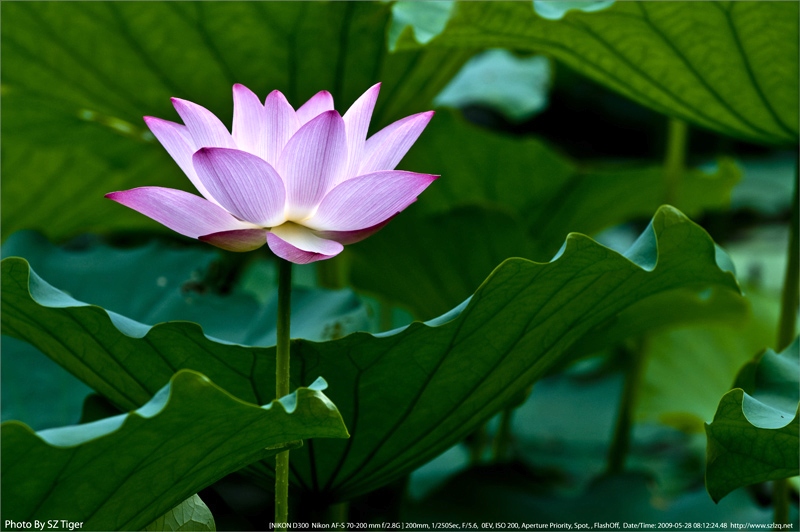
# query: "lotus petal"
x,y
182,212
300,245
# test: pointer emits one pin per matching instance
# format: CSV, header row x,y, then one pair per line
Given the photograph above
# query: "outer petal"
x,y
315,106
245,185
249,121
298,244
281,124
203,125
238,239
368,200
179,144
384,149
356,124
312,161
185,213
351,237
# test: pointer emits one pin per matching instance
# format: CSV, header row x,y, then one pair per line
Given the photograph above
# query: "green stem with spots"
x,y
282,387
790,299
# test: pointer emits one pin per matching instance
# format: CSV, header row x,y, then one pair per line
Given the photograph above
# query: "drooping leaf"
x,y
687,368
192,514
408,395
731,67
27,373
122,473
515,86
754,435
79,77
505,197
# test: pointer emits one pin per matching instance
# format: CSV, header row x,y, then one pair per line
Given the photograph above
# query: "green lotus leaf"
x,y
754,435
408,395
731,67
123,472
79,77
538,195
163,282
190,515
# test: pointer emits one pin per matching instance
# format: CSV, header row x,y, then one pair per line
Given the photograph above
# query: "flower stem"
x,y
502,439
791,282
621,441
675,160
282,387
790,299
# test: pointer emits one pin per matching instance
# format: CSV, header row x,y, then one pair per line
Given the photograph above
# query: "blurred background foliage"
x,y
548,122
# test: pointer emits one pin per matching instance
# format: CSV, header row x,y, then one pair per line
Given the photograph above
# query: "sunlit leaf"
x,y
406,396
121,473
192,514
754,435
731,67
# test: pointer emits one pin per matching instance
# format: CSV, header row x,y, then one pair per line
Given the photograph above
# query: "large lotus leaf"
x,y
121,473
754,435
728,66
78,77
406,395
525,211
162,283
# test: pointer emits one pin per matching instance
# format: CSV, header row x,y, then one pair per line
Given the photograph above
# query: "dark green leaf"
x,y
122,473
728,66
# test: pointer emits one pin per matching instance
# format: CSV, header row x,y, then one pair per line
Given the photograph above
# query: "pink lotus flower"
x,y
304,182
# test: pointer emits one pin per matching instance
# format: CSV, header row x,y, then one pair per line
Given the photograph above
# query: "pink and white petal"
x,y
281,124
385,149
249,120
204,127
179,144
351,237
238,239
315,106
367,200
311,162
298,244
245,185
356,124
182,212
